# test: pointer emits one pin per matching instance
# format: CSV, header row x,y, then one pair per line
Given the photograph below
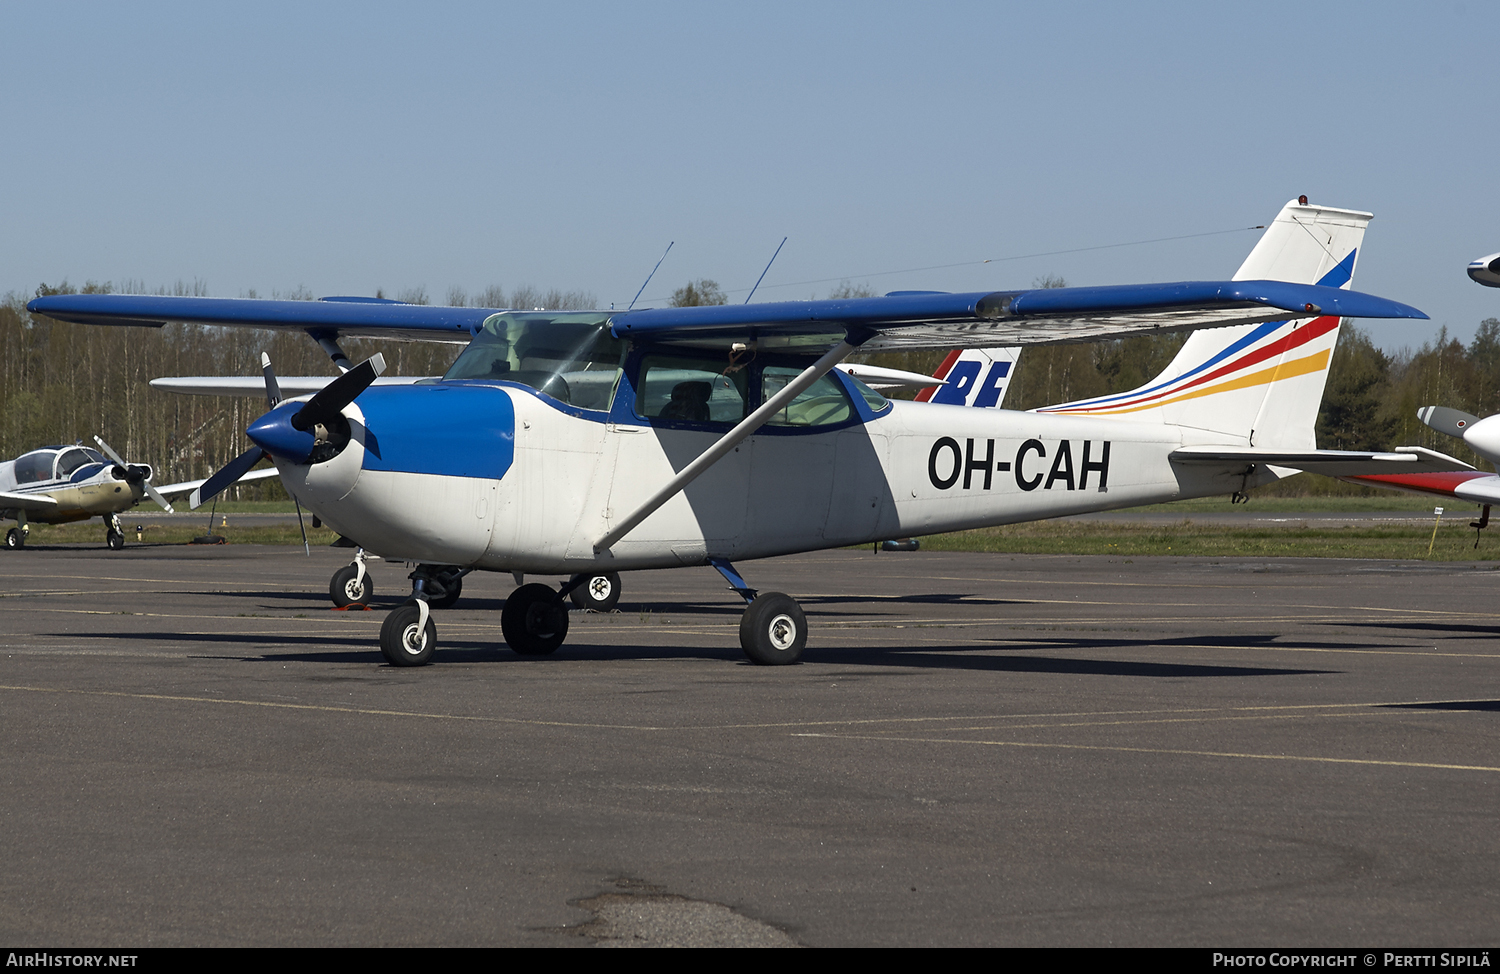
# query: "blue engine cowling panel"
x,y
448,430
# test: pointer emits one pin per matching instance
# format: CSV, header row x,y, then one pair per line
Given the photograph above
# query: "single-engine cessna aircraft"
x,y
578,443
352,585
58,484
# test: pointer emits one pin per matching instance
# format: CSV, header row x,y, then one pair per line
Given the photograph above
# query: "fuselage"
x,y
499,475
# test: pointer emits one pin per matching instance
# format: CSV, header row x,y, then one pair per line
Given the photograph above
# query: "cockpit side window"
x,y
36,467
70,461
569,356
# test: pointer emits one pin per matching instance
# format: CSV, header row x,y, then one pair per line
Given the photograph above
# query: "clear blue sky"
x,y
346,148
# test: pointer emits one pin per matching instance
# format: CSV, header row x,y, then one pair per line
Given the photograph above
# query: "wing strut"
x,y
733,438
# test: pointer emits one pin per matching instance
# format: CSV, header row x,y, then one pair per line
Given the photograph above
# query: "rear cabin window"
x,y
691,390
821,404
34,468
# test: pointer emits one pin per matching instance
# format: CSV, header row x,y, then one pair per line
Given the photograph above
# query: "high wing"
x,y
1404,460
330,317
1042,316
896,321
11,500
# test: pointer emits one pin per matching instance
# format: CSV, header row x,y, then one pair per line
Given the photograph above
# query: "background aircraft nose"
x,y
1484,438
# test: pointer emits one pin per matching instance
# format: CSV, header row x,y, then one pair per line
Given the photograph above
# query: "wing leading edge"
x,y
1001,318
923,320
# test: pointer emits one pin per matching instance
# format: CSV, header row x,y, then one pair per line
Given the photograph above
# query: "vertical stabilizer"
x,y
1257,385
974,376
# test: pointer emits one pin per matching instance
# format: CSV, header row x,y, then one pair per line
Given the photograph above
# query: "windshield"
x,y
568,355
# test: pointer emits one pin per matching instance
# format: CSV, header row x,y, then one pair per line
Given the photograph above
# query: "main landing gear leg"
x,y
442,583
773,630
408,635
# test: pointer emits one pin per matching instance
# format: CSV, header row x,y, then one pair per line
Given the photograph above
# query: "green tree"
x,y
1358,384
698,293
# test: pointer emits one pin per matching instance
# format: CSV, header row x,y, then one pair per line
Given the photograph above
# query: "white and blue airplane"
x,y
586,443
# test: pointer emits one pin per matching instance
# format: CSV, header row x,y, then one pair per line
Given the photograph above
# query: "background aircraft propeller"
x,y
135,474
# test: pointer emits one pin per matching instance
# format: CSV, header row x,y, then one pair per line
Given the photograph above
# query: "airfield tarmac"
x,y
980,749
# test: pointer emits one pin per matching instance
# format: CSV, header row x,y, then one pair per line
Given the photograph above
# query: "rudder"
x,y
1261,384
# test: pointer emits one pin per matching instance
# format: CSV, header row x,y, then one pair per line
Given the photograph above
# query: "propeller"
x,y
273,399
327,404
1451,421
294,435
136,474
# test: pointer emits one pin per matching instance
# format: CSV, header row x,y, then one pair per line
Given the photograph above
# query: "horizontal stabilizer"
x,y
1330,463
879,378
188,486
290,386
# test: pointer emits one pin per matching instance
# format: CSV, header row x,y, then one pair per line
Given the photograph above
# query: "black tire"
x,y
534,621
344,591
451,591
773,630
400,643
15,539
115,540
600,592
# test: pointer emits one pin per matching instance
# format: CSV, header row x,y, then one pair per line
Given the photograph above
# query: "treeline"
x,y
61,382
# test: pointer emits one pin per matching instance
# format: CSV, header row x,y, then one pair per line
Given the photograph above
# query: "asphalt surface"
x,y
979,749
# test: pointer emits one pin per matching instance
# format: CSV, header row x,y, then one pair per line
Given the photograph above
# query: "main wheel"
x,y
534,621
15,539
347,588
600,592
451,591
401,643
773,630
115,540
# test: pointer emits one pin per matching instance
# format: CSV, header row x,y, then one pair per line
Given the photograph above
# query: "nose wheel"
x,y
114,536
408,636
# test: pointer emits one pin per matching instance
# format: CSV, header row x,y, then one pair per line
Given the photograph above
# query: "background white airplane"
x,y
1480,435
59,484
582,443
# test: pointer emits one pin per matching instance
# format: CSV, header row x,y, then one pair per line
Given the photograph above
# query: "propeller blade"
x,y
227,475
273,391
155,495
329,401
1445,420
109,452
151,492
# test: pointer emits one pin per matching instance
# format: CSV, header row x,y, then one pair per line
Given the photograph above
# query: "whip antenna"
x,y
664,254
763,273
